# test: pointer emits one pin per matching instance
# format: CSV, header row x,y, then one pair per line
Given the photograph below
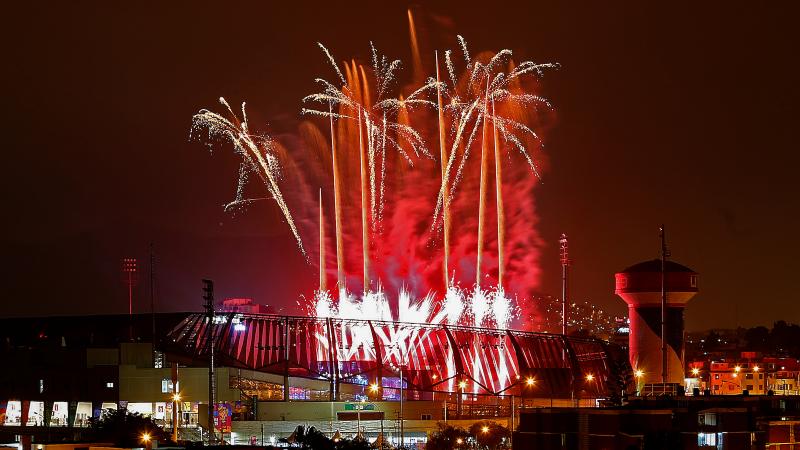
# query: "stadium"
x,y
357,360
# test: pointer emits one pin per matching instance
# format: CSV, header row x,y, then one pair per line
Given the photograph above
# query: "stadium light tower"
x,y
565,263
130,272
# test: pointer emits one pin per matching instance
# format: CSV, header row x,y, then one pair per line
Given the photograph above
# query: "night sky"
x,y
685,114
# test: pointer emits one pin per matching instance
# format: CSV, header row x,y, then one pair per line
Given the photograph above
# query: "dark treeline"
x,y
783,339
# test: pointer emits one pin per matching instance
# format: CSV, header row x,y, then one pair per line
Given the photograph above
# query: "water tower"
x,y
641,288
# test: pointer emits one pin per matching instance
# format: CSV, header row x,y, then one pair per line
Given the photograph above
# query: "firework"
x,y
257,153
382,177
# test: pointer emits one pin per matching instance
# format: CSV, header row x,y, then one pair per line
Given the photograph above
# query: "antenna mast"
x,y
664,255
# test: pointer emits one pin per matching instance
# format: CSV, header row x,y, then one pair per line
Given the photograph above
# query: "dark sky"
x,y
682,113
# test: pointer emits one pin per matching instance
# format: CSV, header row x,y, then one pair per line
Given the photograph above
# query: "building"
x,y
339,376
750,373
707,422
640,286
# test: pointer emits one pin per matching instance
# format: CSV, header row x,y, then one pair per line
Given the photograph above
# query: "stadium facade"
x,y
362,358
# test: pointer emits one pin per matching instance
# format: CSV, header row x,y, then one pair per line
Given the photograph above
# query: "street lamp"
x,y
639,373
145,437
176,398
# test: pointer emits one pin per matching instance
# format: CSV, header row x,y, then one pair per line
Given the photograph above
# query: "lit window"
x,y
110,385
158,359
706,439
166,386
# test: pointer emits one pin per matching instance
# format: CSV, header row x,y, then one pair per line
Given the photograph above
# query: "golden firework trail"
x,y
257,153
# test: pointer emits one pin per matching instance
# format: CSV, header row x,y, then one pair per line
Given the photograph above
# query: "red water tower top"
x,y
639,283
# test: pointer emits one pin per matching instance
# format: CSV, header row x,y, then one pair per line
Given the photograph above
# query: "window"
x,y
166,386
716,387
426,417
706,439
693,280
749,376
707,419
110,385
158,359
749,387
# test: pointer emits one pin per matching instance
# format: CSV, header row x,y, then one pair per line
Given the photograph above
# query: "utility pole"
x,y
664,255
208,296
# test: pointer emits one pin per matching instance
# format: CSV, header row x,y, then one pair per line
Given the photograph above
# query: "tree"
x,y
621,377
757,339
312,439
711,341
447,438
490,435
125,429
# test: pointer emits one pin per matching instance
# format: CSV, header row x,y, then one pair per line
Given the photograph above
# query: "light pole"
x,y
402,429
145,437
460,400
565,262
176,398
208,296
129,270
589,379
639,373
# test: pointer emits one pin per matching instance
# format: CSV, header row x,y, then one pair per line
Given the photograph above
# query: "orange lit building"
x,y
750,374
